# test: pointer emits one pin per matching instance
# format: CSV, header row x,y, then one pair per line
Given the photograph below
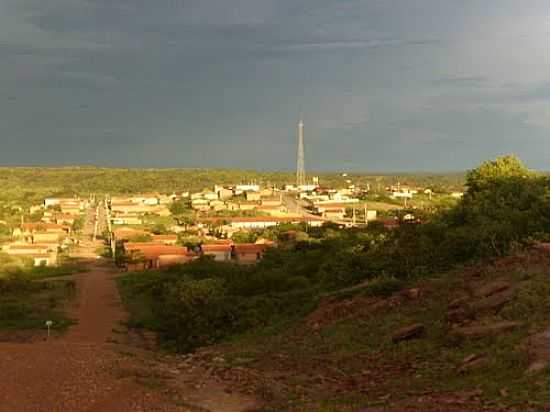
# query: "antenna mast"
x,y
300,161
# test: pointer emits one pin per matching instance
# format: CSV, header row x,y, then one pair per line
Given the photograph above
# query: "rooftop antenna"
x,y
300,158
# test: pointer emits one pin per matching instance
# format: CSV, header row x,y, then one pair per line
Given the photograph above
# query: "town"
x,y
227,222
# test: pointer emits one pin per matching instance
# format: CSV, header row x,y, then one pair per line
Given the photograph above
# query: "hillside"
x,y
480,343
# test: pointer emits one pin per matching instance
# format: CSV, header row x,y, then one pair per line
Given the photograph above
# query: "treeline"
x,y
505,208
30,185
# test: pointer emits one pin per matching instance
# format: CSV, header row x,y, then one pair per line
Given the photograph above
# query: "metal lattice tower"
x,y
300,162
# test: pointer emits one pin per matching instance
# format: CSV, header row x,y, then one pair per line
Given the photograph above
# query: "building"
x,y
42,255
153,255
220,252
253,196
249,252
127,220
247,188
337,213
262,222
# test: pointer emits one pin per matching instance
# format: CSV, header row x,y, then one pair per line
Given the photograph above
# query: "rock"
x,y
457,303
412,294
482,331
492,288
538,348
495,301
408,332
460,315
473,362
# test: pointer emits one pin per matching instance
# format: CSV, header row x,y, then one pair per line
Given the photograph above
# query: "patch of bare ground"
x,y
94,367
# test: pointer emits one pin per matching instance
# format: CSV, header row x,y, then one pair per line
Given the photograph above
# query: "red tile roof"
x,y
216,248
155,250
250,248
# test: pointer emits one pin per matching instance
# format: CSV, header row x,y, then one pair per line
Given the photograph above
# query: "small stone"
x,y
492,288
481,331
408,332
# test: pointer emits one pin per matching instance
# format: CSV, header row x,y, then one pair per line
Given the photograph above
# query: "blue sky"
x,y
382,84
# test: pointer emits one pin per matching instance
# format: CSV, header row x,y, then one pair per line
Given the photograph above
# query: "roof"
x,y
216,248
165,237
155,250
268,219
22,246
42,225
250,247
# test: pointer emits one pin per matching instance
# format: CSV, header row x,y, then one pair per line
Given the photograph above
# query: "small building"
x,y
225,194
220,252
46,237
337,213
210,196
248,205
252,196
127,220
42,255
249,252
152,255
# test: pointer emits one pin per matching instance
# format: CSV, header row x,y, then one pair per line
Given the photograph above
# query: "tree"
x,y
492,171
179,207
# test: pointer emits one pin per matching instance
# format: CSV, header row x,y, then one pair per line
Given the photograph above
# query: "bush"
x,y
193,313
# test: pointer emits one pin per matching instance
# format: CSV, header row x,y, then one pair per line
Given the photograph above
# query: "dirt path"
x,y
86,370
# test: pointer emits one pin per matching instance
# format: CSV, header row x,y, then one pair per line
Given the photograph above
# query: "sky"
x,y
382,85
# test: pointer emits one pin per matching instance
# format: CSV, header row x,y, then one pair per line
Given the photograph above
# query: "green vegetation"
x,y
341,356
504,209
29,186
26,302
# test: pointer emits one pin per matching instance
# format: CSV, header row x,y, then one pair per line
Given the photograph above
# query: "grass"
x,y
26,305
352,363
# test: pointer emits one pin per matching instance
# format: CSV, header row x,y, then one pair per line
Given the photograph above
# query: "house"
x,y
337,213
127,233
210,196
401,195
248,205
371,215
152,255
267,192
220,252
42,255
63,219
249,252
46,238
44,259
232,206
272,201
225,194
262,222
247,188
127,220
30,228
252,196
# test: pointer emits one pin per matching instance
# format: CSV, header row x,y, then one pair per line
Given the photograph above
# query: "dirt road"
x,y
91,369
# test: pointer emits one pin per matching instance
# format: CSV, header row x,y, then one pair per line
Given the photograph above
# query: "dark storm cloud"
x,y
382,84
